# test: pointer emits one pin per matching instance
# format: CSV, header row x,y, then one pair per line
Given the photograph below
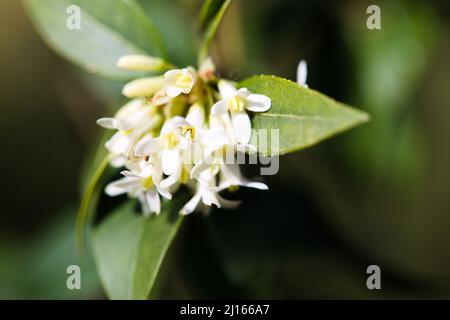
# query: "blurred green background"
x,y
378,194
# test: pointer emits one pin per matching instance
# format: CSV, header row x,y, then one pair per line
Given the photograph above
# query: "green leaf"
x,y
129,247
210,17
108,30
303,116
175,22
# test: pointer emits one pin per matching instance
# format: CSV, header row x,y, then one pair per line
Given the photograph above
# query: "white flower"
x,y
302,72
177,139
208,194
237,102
179,81
132,121
230,174
143,182
160,149
136,62
182,142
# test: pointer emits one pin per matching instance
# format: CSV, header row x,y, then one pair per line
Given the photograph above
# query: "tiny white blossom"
x,y
230,174
179,81
161,149
237,102
143,182
208,194
181,142
132,121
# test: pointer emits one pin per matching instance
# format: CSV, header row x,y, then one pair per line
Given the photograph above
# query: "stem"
x,y
83,211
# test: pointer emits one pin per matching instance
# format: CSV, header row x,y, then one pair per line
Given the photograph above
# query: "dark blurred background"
x,y
375,195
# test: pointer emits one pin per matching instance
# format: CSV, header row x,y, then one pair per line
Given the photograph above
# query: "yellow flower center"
x,y
171,140
184,81
237,103
147,183
184,176
127,132
188,132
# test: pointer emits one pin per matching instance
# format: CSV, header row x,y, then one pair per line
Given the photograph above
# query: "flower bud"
x,y
143,87
141,63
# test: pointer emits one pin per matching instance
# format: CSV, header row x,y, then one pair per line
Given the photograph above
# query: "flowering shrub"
x,y
182,126
176,131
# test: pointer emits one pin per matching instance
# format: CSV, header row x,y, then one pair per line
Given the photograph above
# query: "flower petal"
x,y
226,89
170,159
173,91
256,185
196,115
130,108
118,161
199,167
148,145
172,124
112,190
228,204
114,123
258,103
121,186
172,75
302,73
153,201
219,108
118,143
192,204
242,126
243,92
163,192
144,204
107,123
172,179
209,198
214,139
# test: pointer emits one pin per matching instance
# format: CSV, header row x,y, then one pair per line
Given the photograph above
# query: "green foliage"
x,y
108,31
176,25
129,248
36,268
304,117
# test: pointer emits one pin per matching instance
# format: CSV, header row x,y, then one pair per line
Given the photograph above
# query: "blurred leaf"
x,y
129,248
176,23
389,71
36,269
213,16
108,31
303,116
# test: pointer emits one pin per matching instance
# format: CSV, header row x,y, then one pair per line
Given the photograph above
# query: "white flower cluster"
x,y
175,131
